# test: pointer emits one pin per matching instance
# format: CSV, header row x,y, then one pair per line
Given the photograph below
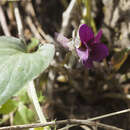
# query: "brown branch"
x,y
4,23
63,122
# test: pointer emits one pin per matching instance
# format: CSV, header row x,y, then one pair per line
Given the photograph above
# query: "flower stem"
x,y
32,94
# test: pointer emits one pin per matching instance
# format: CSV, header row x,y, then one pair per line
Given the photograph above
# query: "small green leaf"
x,y
40,128
23,96
18,67
8,107
32,45
41,98
23,115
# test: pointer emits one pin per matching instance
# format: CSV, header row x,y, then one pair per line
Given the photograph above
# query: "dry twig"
x,y
108,115
18,21
66,17
33,28
63,122
4,23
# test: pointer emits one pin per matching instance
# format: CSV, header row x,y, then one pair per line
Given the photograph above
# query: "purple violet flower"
x,y
90,48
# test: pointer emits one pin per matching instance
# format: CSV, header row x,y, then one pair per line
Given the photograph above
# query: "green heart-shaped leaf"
x,y
18,67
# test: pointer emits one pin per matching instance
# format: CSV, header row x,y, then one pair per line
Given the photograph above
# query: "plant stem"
x,y
33,95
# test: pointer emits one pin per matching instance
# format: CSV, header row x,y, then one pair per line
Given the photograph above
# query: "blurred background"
x,y
67,89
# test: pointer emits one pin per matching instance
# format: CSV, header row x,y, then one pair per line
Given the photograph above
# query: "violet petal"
x,y
62,40
86,34
82,53
99,52
98,37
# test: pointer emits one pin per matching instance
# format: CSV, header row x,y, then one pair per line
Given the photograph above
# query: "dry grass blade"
x,y
4,23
